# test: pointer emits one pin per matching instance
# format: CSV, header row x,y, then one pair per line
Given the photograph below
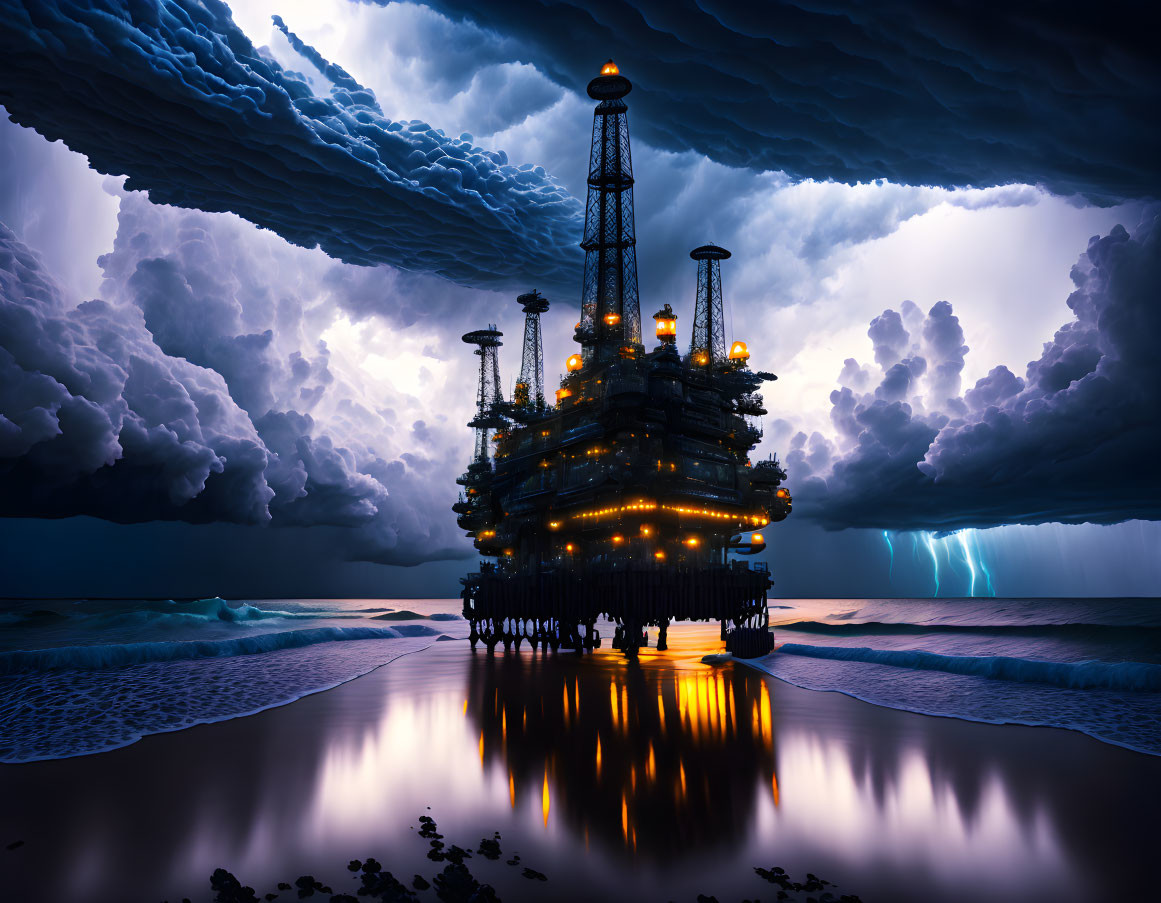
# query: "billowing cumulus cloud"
x,y
198,389
938,94
1073,440
175,96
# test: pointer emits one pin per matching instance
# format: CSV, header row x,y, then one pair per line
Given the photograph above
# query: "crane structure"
x,y
631,496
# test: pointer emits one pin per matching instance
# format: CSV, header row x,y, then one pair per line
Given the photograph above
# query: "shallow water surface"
x,y
651,781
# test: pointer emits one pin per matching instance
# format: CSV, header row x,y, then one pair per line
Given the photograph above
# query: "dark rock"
x,y
489,848
455,884
532,873
420,883
228,889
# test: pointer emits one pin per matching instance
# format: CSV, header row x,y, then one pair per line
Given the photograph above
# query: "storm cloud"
x,y
191,391
175,96
1073,440
1061,94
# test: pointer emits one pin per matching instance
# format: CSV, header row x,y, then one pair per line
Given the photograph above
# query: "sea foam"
x,y
1092,675
123,654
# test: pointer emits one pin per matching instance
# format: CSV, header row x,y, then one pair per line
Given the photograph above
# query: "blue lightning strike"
x,y
987,576
891,553
968,559
930,541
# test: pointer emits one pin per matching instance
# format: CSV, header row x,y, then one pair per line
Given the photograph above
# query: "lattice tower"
x,y
610,305
488,397
530,386
708,346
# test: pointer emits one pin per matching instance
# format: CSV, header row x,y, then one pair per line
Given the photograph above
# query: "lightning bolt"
x,y
969,559
891,553
930,542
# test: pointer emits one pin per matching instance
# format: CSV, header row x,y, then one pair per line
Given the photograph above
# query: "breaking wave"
x,y
122,654
1092,675
1073,629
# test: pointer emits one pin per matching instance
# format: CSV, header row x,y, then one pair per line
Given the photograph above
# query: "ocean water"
x,y
80,677
1092,665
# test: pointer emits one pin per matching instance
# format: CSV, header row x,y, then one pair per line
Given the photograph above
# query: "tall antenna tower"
x,y
488,397
530,387
708,347
610,307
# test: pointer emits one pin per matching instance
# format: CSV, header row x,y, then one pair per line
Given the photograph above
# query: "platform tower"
x,y
708,346
529,394
610,306
488,397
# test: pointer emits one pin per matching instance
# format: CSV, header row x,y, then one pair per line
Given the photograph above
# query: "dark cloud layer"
x,y
175,96
1075,440
952,93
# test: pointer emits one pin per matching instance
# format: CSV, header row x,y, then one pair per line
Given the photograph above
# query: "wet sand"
x,y
656,781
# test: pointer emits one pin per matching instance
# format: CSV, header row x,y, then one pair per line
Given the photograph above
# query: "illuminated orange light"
x,y
568,548
660,556
757,539
666,328
783,493
617,540
562,394
612,319
610,68
574,362
739,352
693,541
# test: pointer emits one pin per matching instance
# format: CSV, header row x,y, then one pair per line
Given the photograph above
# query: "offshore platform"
x,y
628,495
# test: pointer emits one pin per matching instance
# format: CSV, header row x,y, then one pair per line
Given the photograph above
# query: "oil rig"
x,y
628,496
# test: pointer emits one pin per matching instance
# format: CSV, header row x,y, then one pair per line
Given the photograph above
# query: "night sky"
x,y
239,243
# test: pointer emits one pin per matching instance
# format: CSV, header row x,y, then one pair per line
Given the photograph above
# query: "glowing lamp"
x,y
756,539
612,319
568,547
574,363
562,394
553,524
693,542
610,68
739,352
783,493
617,540
666,325
702,358
660,556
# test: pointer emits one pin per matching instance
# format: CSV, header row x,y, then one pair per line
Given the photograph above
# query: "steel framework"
x,y
488,396
529,392
610,305
708,346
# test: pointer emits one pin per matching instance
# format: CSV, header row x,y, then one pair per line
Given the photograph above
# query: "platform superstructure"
x,y
630,493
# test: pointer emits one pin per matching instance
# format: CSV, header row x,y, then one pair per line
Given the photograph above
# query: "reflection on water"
x,y
659,762
659,780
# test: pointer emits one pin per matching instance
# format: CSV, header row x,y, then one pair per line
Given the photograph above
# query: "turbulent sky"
x,y
239,242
